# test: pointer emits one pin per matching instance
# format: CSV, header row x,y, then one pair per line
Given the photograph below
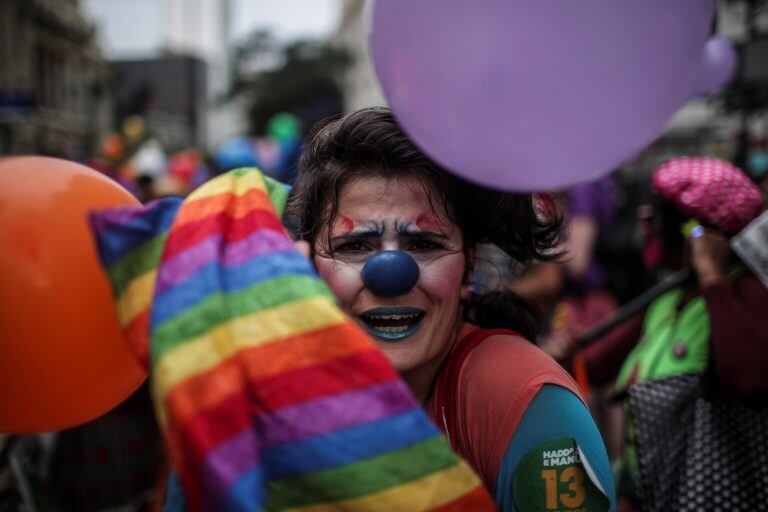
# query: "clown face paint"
x,y
345,225
415,330
427,222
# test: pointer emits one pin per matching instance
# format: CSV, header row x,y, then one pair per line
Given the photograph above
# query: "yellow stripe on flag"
x,y
136,297
235,184
421,494
223,341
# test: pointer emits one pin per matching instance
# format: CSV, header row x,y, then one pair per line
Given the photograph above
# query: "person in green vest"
x,y
717,322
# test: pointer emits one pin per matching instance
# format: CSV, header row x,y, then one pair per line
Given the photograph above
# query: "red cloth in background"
x,y
603,358
738,315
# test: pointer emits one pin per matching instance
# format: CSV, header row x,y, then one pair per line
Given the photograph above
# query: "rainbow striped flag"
x,y
270,398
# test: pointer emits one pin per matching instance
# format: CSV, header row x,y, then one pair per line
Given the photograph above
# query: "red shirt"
x,y
495,384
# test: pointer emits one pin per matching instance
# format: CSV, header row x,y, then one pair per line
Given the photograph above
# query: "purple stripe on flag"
x,y
336,412
102,220
264,241
237,455
187,263
228,461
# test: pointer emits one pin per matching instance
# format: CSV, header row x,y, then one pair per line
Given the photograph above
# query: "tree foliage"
x,y
300,77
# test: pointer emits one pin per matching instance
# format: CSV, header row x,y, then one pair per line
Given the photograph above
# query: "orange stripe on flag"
x,y
205,390
227,202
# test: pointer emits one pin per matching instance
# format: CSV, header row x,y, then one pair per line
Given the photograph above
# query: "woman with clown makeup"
x,y
395,237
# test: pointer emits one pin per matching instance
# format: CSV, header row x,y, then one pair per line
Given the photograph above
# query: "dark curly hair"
x,y
369,143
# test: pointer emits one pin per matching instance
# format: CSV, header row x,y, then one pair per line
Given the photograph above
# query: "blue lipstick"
x,y
392,323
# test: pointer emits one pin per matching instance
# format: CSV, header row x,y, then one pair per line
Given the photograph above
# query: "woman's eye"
x,y
352,247
424,246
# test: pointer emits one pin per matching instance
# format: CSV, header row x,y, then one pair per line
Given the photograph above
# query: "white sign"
x,y
752,246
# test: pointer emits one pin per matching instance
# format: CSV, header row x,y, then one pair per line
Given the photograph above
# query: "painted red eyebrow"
x,y
427,222
346,225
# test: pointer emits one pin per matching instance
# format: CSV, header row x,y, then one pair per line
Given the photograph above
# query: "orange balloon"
x,y
63,359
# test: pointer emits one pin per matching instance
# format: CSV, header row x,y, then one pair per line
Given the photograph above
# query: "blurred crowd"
x,y
136,159
617,243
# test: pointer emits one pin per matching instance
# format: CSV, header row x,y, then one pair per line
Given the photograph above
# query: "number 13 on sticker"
x,y
572,476
555,476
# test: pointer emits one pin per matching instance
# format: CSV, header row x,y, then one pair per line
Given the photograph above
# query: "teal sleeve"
x,y
554,413
174,497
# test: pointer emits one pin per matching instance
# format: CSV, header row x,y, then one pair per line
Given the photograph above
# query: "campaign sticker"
x,y
555,476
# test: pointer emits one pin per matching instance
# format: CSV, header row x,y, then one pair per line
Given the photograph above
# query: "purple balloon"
x,y
536,94
718,65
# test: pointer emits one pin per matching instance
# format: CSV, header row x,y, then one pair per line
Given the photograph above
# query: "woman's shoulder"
x,y
505,363
511,352
497,381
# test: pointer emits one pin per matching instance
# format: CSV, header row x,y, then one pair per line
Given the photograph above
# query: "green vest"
x,y
673,342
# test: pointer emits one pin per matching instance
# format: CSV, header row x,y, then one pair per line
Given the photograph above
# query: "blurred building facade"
x,y
737,22
168,94
53,79
166,35
733,123
202,29
361,88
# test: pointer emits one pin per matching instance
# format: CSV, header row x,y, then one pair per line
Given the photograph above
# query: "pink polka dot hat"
x,y
711,190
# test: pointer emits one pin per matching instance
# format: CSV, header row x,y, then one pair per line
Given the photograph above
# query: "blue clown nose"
x,y
390,273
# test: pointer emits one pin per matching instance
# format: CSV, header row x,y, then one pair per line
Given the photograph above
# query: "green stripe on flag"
x,y
136,262
365,477
211,312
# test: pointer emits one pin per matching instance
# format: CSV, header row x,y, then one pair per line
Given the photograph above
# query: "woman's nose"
x,y
390,273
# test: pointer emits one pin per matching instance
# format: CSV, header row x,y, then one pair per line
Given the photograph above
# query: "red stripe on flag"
x,y
137,334
235,413
233,229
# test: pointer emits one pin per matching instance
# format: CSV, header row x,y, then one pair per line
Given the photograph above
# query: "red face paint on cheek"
x,y
426,222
